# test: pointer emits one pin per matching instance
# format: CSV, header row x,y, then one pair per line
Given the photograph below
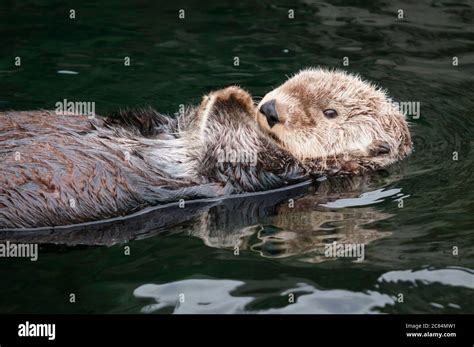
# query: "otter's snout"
x,y
268,109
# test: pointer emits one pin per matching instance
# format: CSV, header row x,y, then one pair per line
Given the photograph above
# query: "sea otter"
x,y
67,169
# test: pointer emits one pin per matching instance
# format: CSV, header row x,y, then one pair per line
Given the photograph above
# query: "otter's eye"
x,y
330,113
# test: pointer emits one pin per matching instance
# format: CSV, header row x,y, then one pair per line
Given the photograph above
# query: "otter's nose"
x,y
269,110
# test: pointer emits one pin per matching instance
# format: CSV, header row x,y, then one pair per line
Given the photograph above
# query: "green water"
x,y
408,249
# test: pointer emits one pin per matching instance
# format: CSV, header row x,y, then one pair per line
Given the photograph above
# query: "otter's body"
x,y
68,169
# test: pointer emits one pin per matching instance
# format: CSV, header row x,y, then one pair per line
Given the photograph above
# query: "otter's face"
x,y
320,113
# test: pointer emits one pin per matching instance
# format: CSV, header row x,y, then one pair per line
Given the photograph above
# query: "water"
x,y
408,249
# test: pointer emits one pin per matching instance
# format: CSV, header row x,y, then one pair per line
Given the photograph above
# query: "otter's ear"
x,y
380,148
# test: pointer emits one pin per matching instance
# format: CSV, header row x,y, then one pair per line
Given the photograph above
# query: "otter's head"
x,y
322,114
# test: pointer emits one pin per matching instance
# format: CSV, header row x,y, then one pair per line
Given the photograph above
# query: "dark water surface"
x,y
408,249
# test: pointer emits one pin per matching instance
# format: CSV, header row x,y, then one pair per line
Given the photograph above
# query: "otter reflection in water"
x,y
303,228
260,222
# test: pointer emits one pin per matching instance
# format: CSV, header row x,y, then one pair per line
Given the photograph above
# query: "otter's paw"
x,y
233,93
230,98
